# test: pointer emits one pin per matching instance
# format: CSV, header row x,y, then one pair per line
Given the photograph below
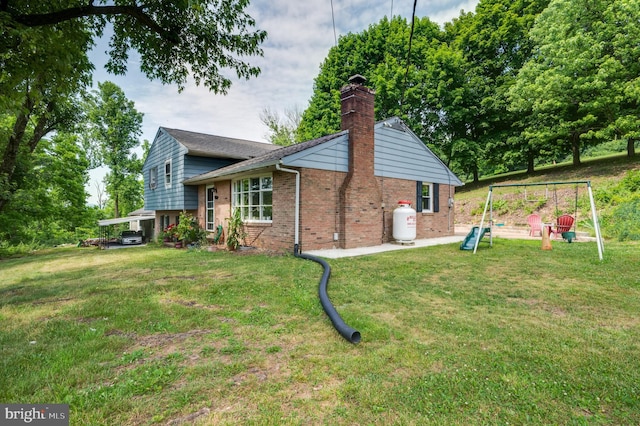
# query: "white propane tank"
x,y
404,222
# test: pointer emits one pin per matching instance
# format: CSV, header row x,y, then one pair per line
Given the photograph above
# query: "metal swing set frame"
x,y
489,206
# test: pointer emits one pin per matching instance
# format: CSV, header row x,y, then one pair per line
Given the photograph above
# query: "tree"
x,y
494,43
41,73
100,194
582,84
112,133
44,64
174,39
621,71
51,202
380,55
282,130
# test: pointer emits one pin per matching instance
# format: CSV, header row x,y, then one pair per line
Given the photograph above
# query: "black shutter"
x,y
419,196
436,197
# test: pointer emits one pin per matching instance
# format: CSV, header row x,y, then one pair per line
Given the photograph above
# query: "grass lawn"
x,y
510,335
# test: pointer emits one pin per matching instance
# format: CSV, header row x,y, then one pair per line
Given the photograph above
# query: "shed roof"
x,y
203,145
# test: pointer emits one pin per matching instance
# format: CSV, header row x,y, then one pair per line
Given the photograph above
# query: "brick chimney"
x,y
361,219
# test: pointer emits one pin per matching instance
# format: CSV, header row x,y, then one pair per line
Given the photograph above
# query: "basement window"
x,y
254,197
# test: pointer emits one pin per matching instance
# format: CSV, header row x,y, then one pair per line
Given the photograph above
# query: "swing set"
x,y
559,229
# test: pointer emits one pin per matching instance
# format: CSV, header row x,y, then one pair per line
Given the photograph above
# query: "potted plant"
x,y
235,230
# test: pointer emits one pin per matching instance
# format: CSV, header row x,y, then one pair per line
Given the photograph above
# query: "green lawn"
x,y
510,335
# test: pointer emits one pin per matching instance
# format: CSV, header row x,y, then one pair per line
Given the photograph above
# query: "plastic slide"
x,y
470,240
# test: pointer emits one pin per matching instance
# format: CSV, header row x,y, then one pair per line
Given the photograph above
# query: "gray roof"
x,y
203,145
266,160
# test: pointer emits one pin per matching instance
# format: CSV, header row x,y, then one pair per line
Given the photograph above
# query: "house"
x,y
336,191
176,155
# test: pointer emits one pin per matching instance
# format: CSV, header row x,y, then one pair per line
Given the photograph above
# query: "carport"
x,y
144,221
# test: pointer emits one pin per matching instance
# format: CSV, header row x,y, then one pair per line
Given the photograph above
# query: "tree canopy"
x,y
174,39
498,89
44,66
582,84
112,130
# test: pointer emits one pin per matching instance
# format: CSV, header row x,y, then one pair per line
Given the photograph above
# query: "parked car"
x,y
129,237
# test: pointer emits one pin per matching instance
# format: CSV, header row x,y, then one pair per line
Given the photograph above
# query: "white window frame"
x,y
168,176
427,200
255,202
210,208
153,177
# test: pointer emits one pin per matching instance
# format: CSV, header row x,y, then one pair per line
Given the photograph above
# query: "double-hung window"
x,y
167,174
211,213
427,197
254,197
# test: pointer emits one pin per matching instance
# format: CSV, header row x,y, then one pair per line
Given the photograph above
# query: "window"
x,y
253,196
427,199
164,222
427,193
153,177
211,214
167,174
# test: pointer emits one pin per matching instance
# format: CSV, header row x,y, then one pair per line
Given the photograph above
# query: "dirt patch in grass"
x,y
190,304
555,310
190,418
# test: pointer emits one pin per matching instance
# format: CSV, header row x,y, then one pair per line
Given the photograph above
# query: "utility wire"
x,y
333,18
413,22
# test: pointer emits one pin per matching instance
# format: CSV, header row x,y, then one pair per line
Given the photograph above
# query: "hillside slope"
x,y
512,205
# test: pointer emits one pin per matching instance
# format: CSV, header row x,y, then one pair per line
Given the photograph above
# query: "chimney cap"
x,y
357,79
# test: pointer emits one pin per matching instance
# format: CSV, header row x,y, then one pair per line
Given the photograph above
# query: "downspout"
x,y
296,238
352,335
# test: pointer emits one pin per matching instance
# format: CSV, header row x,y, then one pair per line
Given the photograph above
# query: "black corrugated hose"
x,y
349,333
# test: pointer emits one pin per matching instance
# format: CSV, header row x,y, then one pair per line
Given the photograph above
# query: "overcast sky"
x,y
300,34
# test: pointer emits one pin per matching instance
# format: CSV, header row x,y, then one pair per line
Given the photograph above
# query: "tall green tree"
x,y
51,203
582,84
114,126
620,70
44,64
41,74
381,55
494,43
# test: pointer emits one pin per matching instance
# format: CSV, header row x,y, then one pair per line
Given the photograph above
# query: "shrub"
x,y
188,229
625,221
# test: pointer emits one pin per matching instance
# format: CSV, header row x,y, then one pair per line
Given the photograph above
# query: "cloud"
x,y
300,35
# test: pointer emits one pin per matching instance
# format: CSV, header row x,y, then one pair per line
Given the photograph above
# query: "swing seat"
x,y
563,226
535,224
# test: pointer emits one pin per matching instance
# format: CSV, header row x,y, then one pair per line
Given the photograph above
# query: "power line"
x,y
333,18
413,22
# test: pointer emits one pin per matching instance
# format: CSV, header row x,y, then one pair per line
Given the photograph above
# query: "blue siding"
x,y
194,166
164,148
332,155
398,154
183,166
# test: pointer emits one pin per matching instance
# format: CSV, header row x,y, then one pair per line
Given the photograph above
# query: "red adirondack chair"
x,y
535,224
563,224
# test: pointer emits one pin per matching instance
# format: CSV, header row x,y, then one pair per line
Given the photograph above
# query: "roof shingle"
x,y
203,145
